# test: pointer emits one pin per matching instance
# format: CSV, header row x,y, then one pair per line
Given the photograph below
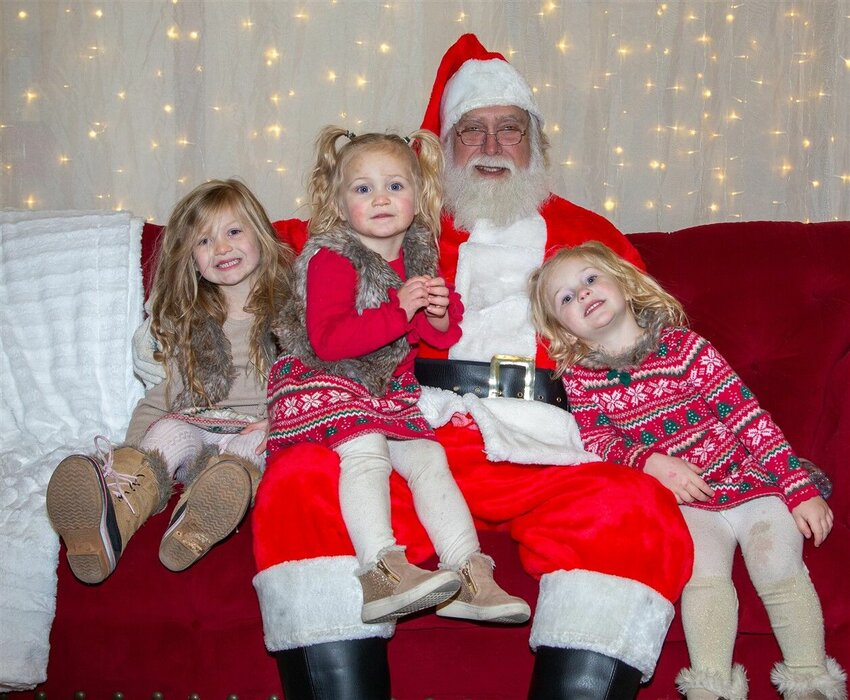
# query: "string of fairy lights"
x,y
660,114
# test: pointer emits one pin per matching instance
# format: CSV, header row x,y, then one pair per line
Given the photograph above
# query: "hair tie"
x,y
407,140
350,135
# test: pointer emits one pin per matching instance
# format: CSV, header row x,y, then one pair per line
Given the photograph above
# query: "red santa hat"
x,y
470,77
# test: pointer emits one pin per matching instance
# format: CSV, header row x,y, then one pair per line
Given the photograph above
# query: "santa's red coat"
x,y
597,517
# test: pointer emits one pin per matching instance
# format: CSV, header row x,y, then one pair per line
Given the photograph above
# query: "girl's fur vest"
x,y
214,360
374,278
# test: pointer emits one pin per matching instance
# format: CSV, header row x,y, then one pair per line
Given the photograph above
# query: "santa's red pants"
x,y
600,517
606,523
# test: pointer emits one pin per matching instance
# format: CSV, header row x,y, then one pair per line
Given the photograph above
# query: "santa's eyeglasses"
x,y
473,136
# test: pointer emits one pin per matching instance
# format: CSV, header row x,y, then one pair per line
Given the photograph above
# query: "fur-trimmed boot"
x,y
394,588
217,491
480,598
713,685
96,504
828,684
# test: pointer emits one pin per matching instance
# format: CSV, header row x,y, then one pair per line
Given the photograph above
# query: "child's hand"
x,y
259,425
814,519
438,303
413,295
438,297
681,477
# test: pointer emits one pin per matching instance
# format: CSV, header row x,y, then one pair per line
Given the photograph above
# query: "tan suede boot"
x,y
480,597
394,588
213,503
96,504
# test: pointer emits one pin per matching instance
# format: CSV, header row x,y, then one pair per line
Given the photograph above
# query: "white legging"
x,y
180,443
772,548
364,495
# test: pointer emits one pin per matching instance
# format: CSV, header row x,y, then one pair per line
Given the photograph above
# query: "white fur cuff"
x,y
732,687
618,617
831,683
312,601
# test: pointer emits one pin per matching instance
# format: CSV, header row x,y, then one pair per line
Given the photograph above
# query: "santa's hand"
x,y
681,477
146,368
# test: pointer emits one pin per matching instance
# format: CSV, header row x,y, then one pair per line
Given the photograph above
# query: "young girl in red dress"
x,y
648,392
366,290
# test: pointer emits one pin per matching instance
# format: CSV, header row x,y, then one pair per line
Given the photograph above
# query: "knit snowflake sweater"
x,y
683,399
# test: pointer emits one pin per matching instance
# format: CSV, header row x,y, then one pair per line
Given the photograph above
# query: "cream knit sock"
x,y
710,620
806,673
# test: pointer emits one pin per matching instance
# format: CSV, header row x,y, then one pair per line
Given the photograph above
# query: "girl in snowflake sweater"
x,y
650,393
366,290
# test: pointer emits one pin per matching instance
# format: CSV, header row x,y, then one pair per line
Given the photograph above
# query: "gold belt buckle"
x,y
496,363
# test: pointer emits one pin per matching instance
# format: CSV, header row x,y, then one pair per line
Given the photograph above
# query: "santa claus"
x,y
607,542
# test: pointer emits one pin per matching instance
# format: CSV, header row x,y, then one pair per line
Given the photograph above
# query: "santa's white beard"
x,y
503,201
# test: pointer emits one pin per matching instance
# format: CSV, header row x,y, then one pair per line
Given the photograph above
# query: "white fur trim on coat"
x,y
493,268
312,601
614,616
439,405
513,430
527,432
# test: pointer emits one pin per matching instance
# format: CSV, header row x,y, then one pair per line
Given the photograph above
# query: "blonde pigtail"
x,y
430,197
322,188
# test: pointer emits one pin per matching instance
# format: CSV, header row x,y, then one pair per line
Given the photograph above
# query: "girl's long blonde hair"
x,y
421,150
643,294
181,299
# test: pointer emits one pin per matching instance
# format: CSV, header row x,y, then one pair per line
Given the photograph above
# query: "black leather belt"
x,y
504,375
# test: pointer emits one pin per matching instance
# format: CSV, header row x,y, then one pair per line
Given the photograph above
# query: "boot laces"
x,y
117,482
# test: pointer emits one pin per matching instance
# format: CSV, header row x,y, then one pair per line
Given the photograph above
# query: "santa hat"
x,y
470,77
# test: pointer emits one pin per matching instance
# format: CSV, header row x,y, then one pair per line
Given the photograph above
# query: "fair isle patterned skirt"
x,y
310,405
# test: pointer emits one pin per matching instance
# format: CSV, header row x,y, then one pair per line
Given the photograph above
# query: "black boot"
x,y
353,669
578,674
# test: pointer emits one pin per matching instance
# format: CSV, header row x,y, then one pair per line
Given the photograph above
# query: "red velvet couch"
x,y
775,299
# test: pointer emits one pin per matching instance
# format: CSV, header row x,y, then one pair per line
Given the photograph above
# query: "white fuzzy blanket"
x,y
70,298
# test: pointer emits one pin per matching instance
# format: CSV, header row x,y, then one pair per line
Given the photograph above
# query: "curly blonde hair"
x,y
181,298
421,150
645,298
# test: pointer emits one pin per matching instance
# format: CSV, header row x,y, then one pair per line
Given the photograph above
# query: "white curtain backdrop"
x,y
661,114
